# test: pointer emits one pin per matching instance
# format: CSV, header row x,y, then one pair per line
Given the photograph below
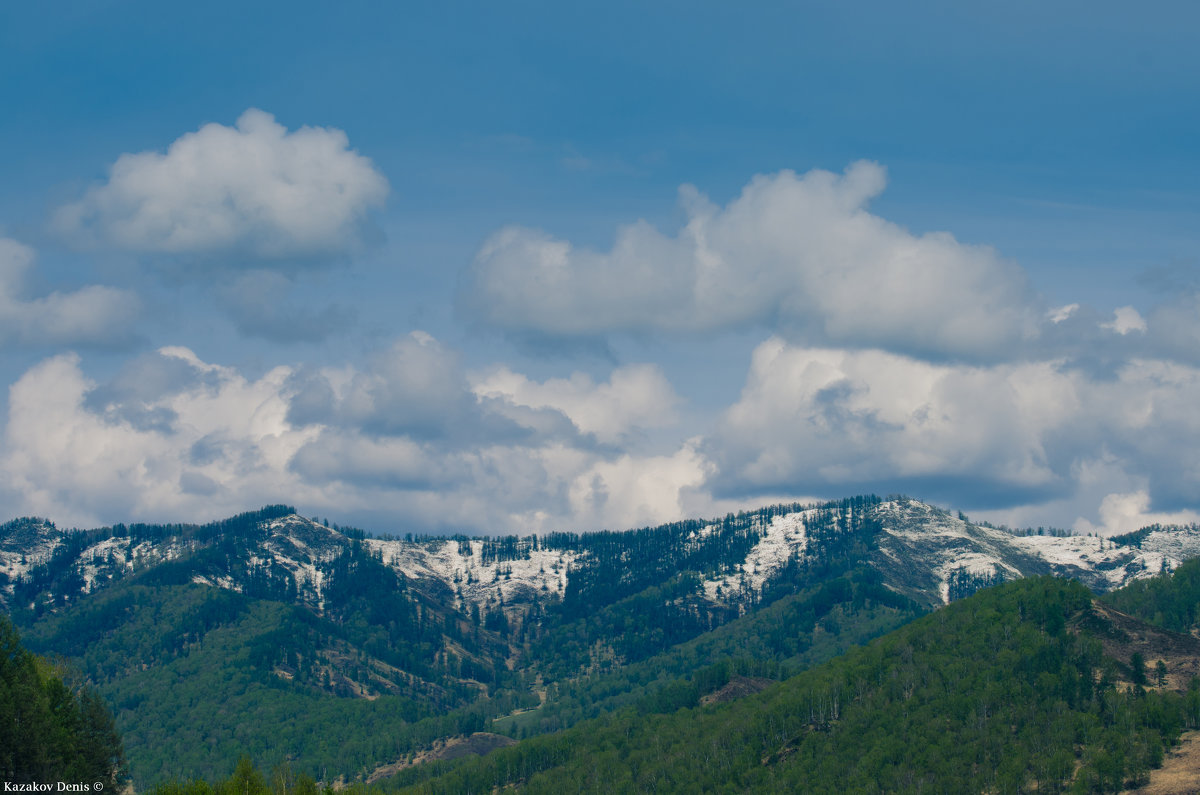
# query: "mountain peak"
x,y
924,552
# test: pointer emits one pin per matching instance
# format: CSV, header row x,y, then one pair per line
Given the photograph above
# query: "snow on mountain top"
x,y
300,546
934,546
304,532
922,551
303,540
25,544
544,571
932,539
915,519
1113,564
1176,543
1080,551
782,538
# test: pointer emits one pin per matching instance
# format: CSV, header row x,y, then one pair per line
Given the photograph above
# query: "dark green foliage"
x,y
607,682
1137,669
48,730
1169,600
635,595
59,575
786,637
247,780
963,583
618,565
200,675
506,548
1136,538
994,693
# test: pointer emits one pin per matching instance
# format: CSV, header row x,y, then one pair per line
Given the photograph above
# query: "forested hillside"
x,y
787,636
1170,601
256,634
52,728
1006,691
199,675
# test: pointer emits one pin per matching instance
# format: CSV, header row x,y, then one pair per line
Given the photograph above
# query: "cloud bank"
x,y
412,441
894,362
991,436
172,437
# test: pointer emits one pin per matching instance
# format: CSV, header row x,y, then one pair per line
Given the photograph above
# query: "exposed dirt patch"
x,y
476,744
737,687
1180,773
1121,635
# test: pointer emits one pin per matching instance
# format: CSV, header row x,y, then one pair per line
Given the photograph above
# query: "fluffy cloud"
x,y
840,418
1121,512
409,441
403,442
217,442
252,191
415,388
94,315
821,420
635,398
800,253
1126,320
632,492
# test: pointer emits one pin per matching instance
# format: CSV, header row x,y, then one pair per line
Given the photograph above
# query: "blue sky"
x,y
534,266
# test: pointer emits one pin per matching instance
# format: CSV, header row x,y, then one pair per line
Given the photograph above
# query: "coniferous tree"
x,y
49,731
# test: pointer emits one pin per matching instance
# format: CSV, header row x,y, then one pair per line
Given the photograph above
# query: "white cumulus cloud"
x,y
1125,511
1125,320
815,420
92,315
220,434
836,418
799,253
636,397
254,190
632,491
401,441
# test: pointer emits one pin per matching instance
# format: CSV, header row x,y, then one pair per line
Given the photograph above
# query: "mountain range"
x,y
922,551
259,633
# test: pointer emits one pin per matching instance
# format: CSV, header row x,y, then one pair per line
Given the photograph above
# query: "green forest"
x,y
51,727
824,680
1000,692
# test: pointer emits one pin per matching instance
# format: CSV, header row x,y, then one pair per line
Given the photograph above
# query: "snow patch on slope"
x,y
24,545
226,582
1177,544
917,535
301,546
784,537
1115,564
460,565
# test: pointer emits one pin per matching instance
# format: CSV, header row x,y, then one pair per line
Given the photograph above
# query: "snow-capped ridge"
x,y
921,551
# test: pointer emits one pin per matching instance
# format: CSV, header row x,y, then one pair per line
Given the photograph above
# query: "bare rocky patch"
x,y
737,687
477,744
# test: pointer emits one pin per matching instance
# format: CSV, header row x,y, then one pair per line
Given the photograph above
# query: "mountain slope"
x,y
271,616
1008,690
50,728
923,551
